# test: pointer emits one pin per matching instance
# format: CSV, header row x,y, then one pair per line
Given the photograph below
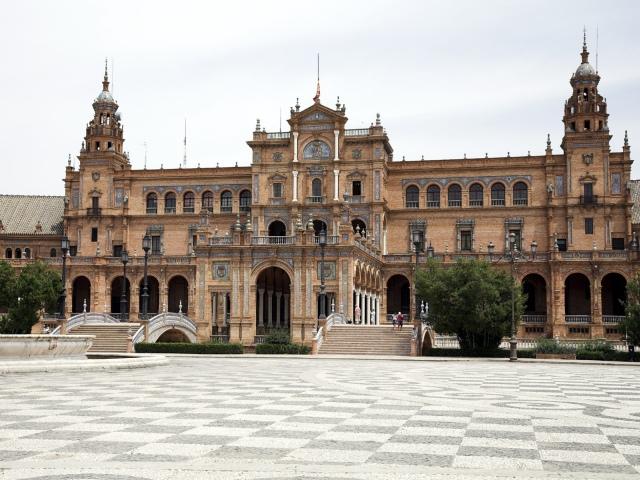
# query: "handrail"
x,y
139,333
167,320
89,317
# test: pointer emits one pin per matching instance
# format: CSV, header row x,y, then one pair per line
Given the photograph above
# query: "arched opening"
x,y
152,203
433,196
316,150
8,253
153,307
497,195
226,202
178,295
535,290
614,294
18,253
80,292
272,300
245,201
170,203
476,193
577,295
27,252
53,253
189,202
173,336
520,194
398,295
277,229
207,201
116,294
316,190
455,196
359,227
412,197
318,226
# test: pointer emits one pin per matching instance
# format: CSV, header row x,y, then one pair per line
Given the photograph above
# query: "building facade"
x,y
236,249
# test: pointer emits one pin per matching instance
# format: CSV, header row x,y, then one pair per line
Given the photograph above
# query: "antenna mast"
x,y
597,49
113,89
145,155
184,158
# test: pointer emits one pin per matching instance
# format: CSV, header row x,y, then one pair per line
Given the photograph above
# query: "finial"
x,y
105,80
236,164
584,37
528,153
486,155
248,227
508,154
106,74
198,164
338,103
69,159
585,52
626,139
377,119
297,104
422,157
548,140
238,225
465,155
403,159
217,164
257,124
316,99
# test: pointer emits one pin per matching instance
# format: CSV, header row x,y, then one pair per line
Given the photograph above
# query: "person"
x,y
394,319
400,320
357,314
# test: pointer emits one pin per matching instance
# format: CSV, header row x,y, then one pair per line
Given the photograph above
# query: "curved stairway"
x,y
367,340
110,337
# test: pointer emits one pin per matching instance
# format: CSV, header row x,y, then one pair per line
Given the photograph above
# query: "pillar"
x,y
336,184
295,146
286,309
224,310
261,307
336,134
278,318
270,307
295,185
214,309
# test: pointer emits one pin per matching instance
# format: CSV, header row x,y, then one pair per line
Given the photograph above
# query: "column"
x,y
295,185
371,312
278,318
261,307
336,184
295,146
224,310
336,133
286,309
214,309
270,307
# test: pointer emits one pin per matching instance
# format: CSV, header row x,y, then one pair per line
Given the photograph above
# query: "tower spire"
x,y
585,52
316,99
105,80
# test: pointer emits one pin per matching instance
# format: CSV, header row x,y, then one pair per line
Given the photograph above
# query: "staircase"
x,y
367,340
110,337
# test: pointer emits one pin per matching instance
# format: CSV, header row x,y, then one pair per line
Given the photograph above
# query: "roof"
x,y
20,214
634,187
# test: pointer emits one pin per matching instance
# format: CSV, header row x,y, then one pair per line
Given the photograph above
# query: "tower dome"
x,y
585,69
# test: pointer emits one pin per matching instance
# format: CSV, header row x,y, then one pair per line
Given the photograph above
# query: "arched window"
x,y
316,150
455,195
207,201
245,201
433,196
226,202
476,192
52,253
520,194
152,203
18,253
316,191
27,252
189,202
8,253
359,227
497,195
170,203
412,199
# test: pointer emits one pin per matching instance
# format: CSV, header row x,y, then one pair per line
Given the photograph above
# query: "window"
x,y
616,183
497,195
316,150
156,246
562,244
465,240
356,188
520,194
27,252
559,185
455,196
226,199
94,234
207,201
277,190
588,226
189,202
412,197
476,193
588,197
433,196
579,330
152,203
117,250
316,188
8,253
18,253
245,201
95,202
587,125
170,203
617,243
73,250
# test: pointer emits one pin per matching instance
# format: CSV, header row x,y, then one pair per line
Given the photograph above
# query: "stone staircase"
x,y
367,340
110,337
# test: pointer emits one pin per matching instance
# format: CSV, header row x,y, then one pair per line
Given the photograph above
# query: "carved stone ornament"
x,y
277,156
95,176
587,158
356,154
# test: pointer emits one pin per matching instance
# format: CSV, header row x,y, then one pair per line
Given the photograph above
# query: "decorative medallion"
x,y
356,154
317,150
220,271
277,156
587,158
95,176
329,270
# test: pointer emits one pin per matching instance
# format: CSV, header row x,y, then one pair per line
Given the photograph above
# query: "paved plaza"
x,y
268,418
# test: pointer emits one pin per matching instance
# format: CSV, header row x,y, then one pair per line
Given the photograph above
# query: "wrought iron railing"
x,y
577,318
475,203
94,212
588,199
455,203
433,203
497,202
412,203
612,319
535,318
518,202
290,240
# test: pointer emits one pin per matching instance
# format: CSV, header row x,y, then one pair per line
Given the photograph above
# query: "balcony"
x,y
226,209
455,203
188,209
497,202
577,319
152,210
588,200
612,319
94,212
245,208
356,132
412,204
433,203
534,318
273,240
169,210
354,198
475,203
314,200
520,202
278,135
331,239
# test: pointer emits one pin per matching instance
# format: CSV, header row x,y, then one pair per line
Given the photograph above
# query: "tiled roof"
x,y
634,186
20,214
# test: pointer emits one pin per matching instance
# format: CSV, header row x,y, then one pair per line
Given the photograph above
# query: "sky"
x,y
447,78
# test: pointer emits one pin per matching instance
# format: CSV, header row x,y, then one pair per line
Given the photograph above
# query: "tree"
x,y
631,323
37,288
471,300
7,285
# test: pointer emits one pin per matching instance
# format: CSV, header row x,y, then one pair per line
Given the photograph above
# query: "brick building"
x,y
235,250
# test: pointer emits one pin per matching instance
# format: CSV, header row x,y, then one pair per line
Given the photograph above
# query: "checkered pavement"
x,y
206,412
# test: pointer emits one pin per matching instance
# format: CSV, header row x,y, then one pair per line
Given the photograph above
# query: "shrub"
x,y
548,345
197,348
279,348
456,352
598,350
278,337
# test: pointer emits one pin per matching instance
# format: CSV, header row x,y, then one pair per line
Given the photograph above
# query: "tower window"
x,y
97,146
573,126
588,226
356,188
277,190
587,124
94,234
109,145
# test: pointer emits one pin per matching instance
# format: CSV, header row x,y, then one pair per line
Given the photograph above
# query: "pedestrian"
x,y
400,320
394,319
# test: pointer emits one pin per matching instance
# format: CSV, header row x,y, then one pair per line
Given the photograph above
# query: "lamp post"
x,y
146,246
322,240
123,295
416,239
63,295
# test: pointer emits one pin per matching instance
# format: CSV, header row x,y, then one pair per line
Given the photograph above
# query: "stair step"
x,y
367,340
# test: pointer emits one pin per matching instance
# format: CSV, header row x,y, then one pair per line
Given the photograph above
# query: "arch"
x,y
165,322
153,307
358,225
8,253
433,196
614,294
245,201
476,194
454,195
170,202
520,193
577,295
277,229
53,253
189,202
534,287
207,201
27,252
498,195
116,294
273,305
18,253
178,293
226,202
316,188
316,150
318,226
152,202
173,335
80,291
398,294
412,197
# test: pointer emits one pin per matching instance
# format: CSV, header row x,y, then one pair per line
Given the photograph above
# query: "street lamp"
x,y
416,239
146,246
63,295
123,296
430,251
322,241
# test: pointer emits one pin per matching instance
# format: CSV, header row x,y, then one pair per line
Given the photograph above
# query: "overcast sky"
x,y
447,77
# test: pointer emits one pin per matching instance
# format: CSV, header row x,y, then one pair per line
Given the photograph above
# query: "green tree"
x,y
7,285
631,323
37,288
471,300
